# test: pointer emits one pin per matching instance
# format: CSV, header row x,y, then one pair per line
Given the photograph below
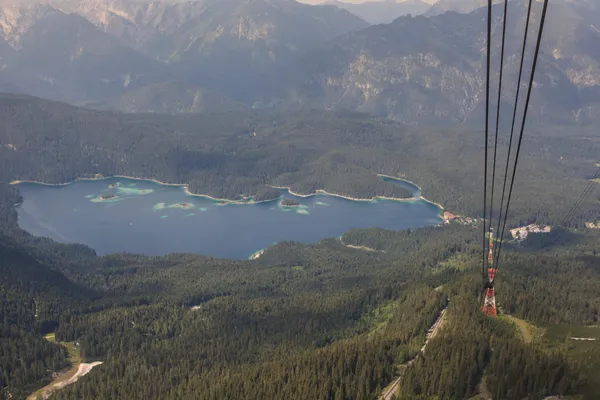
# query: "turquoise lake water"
x,y
152,219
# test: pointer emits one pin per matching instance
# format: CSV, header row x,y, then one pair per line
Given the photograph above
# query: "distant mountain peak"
x,y
223,46
383,11
459,6
15,20
423,70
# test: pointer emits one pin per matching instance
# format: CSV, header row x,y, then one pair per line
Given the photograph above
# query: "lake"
x,y
123,215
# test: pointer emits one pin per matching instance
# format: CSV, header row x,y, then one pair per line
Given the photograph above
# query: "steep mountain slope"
x,y
63,56
33,295
219,44
438,74
20,271
383,12
169,98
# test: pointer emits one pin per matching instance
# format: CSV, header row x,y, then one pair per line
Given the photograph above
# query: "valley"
x,y
265,199
316,303
138,312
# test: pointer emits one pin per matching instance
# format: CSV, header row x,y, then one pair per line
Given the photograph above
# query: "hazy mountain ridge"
x,y
269,53
223,45
385,11
63,56
459,6
440,76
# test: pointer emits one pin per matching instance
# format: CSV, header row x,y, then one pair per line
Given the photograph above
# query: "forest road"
x,y
388,394
64,379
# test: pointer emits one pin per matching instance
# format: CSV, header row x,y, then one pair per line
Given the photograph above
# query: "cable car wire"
x,y
578,202
498,114
487,118
524,120
512,129
581,198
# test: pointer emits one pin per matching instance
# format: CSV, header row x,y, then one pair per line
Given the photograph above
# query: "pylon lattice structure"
x,y
489,302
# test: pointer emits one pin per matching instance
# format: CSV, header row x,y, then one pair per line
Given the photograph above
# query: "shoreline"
x,y
242,202
342,196
153,180
256,255
395,178
415,185
324,192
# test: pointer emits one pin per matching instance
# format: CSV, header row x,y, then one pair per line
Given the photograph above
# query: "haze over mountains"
x,y
127,56
385,11
459,6
432,69
222,44
63,56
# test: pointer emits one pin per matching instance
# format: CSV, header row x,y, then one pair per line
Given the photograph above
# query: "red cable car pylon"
x,y
489,302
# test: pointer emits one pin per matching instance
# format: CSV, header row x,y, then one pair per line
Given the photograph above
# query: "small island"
x,y
185,206
107,196
290,203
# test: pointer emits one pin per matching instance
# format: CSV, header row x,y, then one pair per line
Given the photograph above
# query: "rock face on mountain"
x,y
169,98
385,11
48,53
219,44
421,69
126,55
77,50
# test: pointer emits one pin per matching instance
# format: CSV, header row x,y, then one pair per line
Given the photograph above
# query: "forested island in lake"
x,y
108,196
287,202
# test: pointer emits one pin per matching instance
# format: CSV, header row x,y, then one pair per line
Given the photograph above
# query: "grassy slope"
x,y
584,353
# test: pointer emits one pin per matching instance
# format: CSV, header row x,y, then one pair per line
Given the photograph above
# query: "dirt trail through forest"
x,y
388,393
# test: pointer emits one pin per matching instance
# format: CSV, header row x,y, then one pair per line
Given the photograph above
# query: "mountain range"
x,y
385,11
420,69
459,6
218,44
63,56
159,56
